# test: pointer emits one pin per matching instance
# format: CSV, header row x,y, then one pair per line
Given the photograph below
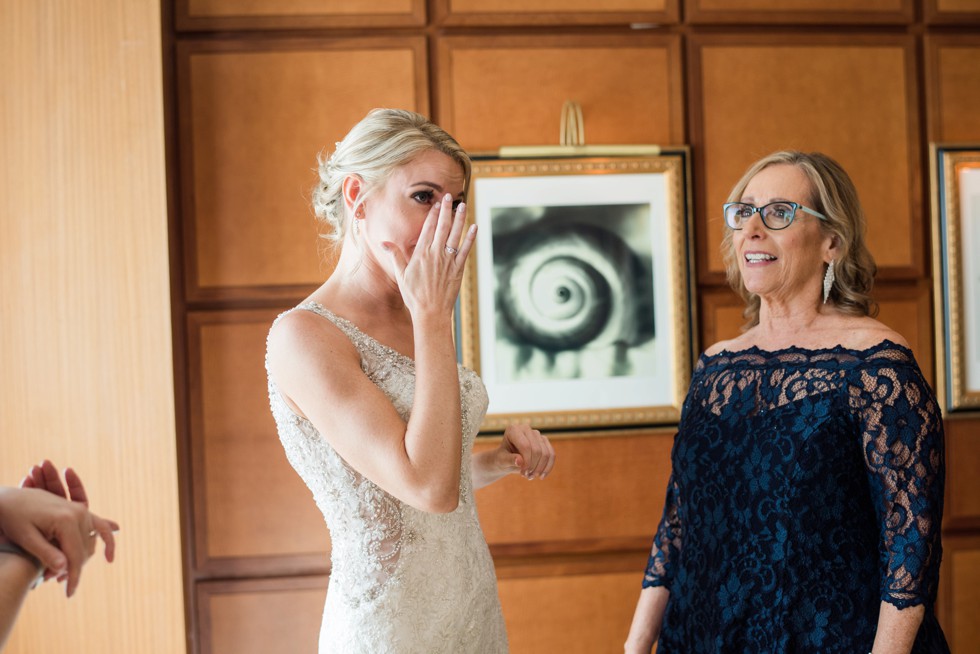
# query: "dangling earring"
x,y
828,281
358,216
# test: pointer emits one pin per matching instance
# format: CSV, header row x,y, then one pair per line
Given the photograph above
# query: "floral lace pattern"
x,y
807,488
402,580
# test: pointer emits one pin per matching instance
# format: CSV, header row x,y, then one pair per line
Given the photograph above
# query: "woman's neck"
x,y
361,277
795,321
361,291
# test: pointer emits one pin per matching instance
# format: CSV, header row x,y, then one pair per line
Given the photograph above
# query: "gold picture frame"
x,y
955,172
576,302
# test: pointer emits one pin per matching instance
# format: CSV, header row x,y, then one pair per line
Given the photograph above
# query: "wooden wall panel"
x,y
498,91
720,312
858,97
555,12
614,510
272,14
571,613
261,616
962,481
254,108
955,12
255,116
953,88
960,592
250,502
907,309
85,311
799,11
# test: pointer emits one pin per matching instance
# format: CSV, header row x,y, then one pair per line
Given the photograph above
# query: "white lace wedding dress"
x,y
402,580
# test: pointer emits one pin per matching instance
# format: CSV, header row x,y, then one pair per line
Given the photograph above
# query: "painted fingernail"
x,y
447,198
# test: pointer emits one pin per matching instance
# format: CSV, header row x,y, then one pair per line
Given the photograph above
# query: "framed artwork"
x,y
576,305
956,261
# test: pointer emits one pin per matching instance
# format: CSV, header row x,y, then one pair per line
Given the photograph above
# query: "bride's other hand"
x,y
522,450
532,453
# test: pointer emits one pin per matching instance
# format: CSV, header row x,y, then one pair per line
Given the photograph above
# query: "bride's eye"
x,y
425,197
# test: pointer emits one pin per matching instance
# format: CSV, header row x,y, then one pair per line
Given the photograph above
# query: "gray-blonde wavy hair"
x,y
382,141
833,194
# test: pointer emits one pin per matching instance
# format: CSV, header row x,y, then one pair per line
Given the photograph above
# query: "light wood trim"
x,y
86,338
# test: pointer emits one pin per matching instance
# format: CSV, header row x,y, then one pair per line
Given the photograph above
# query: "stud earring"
x,y
828,281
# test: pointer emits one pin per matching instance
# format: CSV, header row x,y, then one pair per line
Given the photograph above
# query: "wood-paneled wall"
x,y
260,86
85,342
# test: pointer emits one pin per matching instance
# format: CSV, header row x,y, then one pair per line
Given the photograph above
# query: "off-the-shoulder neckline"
x,y
755,350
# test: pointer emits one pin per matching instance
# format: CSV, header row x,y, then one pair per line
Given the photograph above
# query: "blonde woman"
x,y
375,414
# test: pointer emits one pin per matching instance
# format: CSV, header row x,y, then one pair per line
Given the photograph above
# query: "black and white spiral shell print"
x,y
570,285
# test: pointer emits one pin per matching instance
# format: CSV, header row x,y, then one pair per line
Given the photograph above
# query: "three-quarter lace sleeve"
x,y
666,543
902,433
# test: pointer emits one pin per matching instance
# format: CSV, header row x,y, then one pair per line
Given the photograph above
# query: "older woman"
x,y
804,508
375,414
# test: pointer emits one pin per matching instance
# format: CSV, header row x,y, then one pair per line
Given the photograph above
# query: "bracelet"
x,y
13,548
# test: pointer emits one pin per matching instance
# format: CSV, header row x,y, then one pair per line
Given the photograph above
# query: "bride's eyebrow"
x,y
435,187
431,185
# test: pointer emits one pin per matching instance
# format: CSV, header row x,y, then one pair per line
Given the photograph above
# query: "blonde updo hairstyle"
x,y
833,194
382,141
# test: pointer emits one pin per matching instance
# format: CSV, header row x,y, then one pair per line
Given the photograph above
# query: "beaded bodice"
x,y
401,579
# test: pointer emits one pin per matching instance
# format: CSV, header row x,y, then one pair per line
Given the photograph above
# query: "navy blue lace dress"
x,y
807,488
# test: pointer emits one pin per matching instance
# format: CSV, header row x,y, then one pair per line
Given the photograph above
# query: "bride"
x,y
375,414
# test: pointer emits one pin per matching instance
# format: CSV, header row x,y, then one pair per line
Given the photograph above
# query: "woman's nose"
x,y
753,227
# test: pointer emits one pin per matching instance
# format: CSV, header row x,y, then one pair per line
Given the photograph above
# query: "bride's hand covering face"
x,y
411,228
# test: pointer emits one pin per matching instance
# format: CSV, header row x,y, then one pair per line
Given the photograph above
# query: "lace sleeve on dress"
x,y
666,543
902,434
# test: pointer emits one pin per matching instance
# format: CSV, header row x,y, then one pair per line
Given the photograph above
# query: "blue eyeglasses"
x,y
775,215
